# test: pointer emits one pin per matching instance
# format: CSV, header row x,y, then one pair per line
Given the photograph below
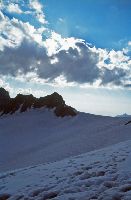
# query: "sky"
x,y
78,48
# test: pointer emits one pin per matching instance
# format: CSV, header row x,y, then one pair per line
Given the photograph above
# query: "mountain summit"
x,y
23,103
4,96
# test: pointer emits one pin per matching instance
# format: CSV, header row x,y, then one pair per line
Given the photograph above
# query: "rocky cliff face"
x,y
4,96
23,103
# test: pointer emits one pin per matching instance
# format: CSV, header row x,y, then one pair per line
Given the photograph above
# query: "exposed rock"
x,y
23,103
4,97
49,101
4,94
129,122
64,110
4,196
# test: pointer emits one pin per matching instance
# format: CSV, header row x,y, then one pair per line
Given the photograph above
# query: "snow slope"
x,y
124,115
103,175
38,136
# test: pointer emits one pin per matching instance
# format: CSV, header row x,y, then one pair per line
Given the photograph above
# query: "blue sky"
x,y
104,23
79,48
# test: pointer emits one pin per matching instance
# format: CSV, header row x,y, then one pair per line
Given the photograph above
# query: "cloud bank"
x,y
28,51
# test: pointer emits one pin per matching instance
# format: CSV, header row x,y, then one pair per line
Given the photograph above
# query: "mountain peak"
x,y
4,93
4,97
25,102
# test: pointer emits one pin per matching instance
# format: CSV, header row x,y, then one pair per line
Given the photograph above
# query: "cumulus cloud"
x,y
77,64
114,76
63,61
10,34
56,56
14,8
13,32
38,8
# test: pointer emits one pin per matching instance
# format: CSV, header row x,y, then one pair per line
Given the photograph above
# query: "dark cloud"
x,y
23,58
115,76
22,51
76,65
127,85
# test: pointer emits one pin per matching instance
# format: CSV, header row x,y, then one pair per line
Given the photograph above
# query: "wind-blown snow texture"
x,y
38,136
103,175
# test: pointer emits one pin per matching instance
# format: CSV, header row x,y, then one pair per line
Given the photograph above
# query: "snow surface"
x,y
124,115
102,174
38,136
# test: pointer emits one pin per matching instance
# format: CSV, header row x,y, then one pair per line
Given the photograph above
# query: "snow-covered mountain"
x,y
39,139
39,136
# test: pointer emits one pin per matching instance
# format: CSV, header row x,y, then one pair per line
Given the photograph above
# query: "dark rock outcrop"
x,y
4,96
49,101
23,103
129,122
64,110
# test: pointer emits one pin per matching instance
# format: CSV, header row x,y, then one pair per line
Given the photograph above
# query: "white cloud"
x,y
74,58
56,43
35,4
129,43
14,8
4,84
57,60
38,8
1,5
11,36
116,57
12,32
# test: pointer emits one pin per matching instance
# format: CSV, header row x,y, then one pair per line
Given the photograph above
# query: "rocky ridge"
x,y
22,103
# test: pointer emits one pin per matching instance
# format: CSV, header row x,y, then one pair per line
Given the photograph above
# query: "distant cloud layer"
x,y
25,52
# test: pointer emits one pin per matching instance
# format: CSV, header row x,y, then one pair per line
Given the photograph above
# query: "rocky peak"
x,y
25,102
4,95
4,98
